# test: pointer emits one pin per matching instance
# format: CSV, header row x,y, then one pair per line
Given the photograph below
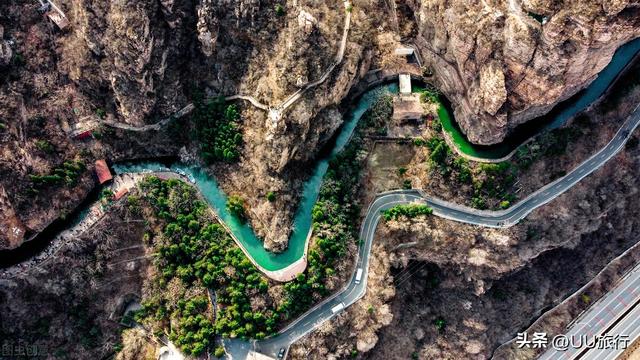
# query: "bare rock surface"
x,y
501,67
135,62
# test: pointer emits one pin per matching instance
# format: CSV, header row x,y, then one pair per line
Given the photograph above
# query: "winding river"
x,y
273,262
302,221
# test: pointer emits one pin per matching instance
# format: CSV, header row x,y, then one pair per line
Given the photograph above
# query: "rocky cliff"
x,y
503,63
134,62
129,55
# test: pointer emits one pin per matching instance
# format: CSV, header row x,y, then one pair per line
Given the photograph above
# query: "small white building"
x,y
59,19
405,84
403,51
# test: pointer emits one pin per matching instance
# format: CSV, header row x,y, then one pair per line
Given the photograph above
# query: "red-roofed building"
x,y
84,135
103,172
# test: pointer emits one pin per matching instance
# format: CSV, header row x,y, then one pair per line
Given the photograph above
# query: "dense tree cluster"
x,y
217,129
378,115
409,211
431,95
494,181
235,206
199,253
490,182
67,174
194,329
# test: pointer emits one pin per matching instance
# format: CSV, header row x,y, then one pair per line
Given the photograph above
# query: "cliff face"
x,y
501,66
138,61
129,55
252,52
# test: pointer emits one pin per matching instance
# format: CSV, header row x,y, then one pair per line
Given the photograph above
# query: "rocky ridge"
x,y
503,63
135,62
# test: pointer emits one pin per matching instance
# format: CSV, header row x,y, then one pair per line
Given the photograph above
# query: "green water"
x,y
556,118
302,220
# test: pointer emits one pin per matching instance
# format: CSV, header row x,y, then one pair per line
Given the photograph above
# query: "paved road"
x,y
348,295
629,327
352,292
616,313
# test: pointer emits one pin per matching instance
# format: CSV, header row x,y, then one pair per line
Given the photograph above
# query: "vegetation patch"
x,y
378,115
493,181
235,205
430,95
194,253
550,144
106,196
67,174
408,211
217,129
45,146
487,185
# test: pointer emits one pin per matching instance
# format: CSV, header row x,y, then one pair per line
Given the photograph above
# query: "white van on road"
x,y
358,276
337,308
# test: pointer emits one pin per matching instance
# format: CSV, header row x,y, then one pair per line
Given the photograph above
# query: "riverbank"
x,y
294,261
85,220
623,59
285,270
547,157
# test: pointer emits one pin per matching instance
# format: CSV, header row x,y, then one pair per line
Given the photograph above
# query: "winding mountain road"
x,y
352,292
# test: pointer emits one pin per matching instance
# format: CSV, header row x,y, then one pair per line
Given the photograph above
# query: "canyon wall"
x,y
135,62
503,63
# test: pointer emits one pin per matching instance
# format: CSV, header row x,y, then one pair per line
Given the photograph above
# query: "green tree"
x,y
101,113
217,129
219,352
280,10
235,206
45,146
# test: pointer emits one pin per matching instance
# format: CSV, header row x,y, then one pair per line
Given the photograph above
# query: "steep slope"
x,y
503,63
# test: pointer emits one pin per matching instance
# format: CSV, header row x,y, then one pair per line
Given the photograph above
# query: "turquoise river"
x,y
302,220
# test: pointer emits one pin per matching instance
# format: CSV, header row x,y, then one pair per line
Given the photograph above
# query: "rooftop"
x,y
120,194
407,108
58,18
405,84
403,51
103,172
253,355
